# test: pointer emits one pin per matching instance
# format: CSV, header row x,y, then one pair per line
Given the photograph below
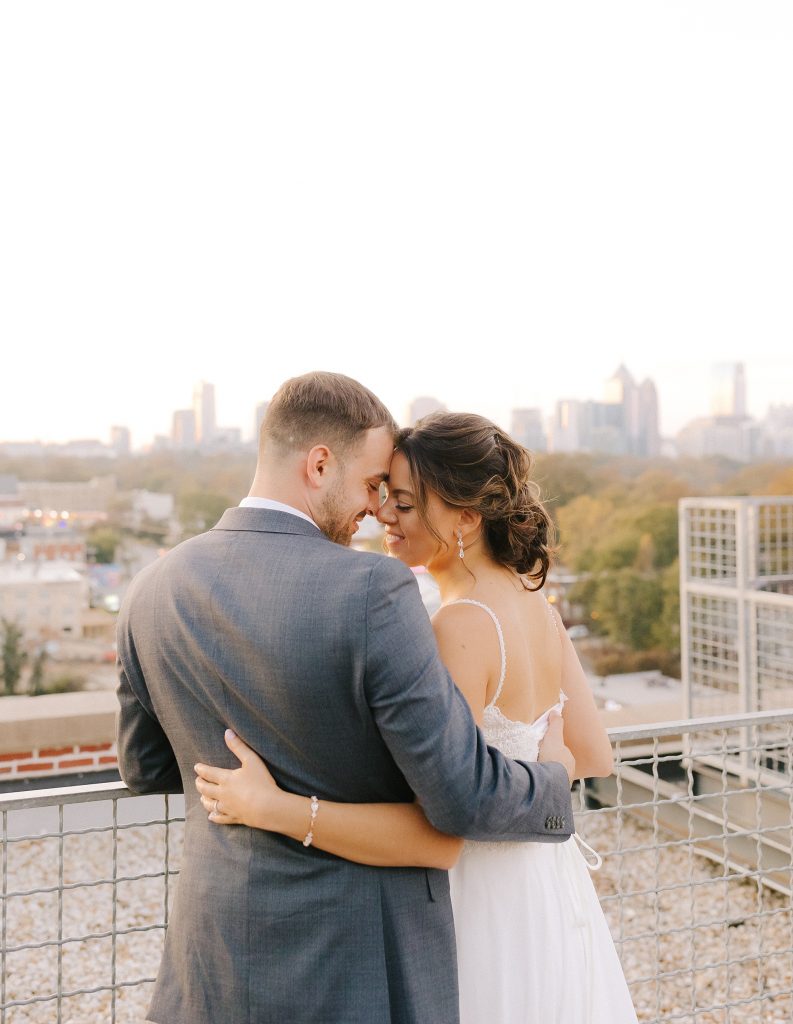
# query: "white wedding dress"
x,y
533,944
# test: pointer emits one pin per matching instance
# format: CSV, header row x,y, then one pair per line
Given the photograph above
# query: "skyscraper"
x,y
728,397
183,433
526,427
120,440
204,410
649,435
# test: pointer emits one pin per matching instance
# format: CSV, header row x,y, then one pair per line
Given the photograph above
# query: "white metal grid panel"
x,y
712,546
736,601
773,653
775,539
713,654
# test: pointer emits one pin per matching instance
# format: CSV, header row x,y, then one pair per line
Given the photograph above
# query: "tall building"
x,y
204,409
778,432
729,390
649,436
635,413
183,429
736,604
421,407
527,429
626,423
568,426
728,436
120,440
729,432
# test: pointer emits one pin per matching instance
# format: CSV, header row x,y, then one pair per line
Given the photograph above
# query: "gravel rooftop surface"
x,y
718,920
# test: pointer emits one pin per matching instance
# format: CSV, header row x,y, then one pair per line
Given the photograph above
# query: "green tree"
x,y
103,540
666,631
627,606
13,656
36,685
199,511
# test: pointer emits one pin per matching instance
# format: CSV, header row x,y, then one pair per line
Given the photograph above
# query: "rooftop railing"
x,y
694,827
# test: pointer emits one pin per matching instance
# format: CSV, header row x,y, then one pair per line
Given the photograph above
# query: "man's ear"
x,y
318,462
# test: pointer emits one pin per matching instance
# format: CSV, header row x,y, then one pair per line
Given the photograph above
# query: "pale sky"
x,y
495,204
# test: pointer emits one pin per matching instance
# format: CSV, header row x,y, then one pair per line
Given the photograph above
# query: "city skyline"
x,y
623,419
499,232
775,387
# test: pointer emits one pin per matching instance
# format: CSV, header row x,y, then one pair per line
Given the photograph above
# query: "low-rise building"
x,y
45,599
58,543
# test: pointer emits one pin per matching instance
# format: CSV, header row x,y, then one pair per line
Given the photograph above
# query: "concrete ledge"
x,y
57,720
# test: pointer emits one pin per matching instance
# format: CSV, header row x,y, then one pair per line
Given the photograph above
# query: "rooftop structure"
x,y
736,604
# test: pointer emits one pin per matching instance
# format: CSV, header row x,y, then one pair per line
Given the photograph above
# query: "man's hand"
x,y
552,747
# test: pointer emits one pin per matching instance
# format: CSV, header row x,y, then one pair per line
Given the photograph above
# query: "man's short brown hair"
x,y
321,408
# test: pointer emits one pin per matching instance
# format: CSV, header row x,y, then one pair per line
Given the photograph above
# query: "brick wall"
x,y
65,760
57,734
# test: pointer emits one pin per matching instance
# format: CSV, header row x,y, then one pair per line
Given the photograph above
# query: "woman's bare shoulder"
x,y
463,619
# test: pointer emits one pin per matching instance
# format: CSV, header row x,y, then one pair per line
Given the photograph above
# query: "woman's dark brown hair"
x,y
470,463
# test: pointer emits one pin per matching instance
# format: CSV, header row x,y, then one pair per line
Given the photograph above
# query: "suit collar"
x,y
265,520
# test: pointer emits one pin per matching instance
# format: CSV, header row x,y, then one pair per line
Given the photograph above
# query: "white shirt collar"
x,y
275,506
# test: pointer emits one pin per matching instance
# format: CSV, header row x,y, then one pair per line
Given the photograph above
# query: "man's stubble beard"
x,y
334,520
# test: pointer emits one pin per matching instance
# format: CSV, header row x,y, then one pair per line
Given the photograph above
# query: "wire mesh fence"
x,y
695,830
694,826
86,882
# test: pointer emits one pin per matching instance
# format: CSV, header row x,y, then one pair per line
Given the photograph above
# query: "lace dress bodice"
x,y
519,740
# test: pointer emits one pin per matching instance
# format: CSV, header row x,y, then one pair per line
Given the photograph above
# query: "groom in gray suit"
x,y
323,660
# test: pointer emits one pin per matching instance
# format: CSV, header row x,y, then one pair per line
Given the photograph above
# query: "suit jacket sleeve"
x,y
464,787
146,760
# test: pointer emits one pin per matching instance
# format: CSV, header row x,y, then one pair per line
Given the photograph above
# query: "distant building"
x,y
527,429
649,431
24,449
729,390
85,501
152,506
45,599
204,409
421,407
778,432
635,415
732,437
54,543
12,506
569,426
183,429
728,432
736,604
261,412
626,423
121,440
227,437
87,448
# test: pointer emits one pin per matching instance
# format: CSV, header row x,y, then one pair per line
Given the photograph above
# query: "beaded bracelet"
x,y
310,834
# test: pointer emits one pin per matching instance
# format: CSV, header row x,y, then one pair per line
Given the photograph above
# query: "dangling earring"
x,y
460,547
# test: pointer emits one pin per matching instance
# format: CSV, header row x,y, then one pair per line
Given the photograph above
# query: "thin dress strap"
x,y
502,645
553,617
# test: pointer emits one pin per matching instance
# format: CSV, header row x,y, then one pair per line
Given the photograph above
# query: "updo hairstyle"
x,y
470,463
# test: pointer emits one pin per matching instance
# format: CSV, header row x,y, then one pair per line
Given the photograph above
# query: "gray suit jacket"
x,y
323,660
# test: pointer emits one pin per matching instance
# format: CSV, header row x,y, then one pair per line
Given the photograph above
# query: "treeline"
x,y
616,518
618,532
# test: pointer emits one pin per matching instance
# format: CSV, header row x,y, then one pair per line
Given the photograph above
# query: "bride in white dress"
x,y
532,941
